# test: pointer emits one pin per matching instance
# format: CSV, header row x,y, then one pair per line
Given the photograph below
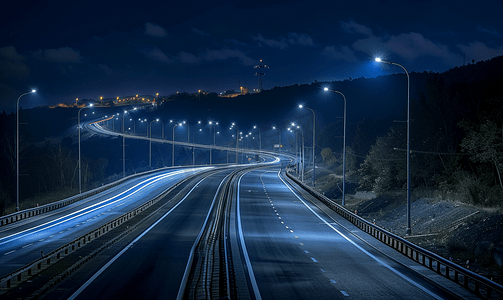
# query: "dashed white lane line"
x,y
314,259
333,281
7,253
26,246
345,294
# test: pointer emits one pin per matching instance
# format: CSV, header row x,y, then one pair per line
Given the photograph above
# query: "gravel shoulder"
x,y
468,235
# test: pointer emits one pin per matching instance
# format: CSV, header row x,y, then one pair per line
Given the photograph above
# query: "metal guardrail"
x,y
479,285
31,212
46,260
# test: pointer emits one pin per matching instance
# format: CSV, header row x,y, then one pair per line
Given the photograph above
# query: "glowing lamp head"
x,y
301,106
91,105
33,91
378,59
325,89
157,120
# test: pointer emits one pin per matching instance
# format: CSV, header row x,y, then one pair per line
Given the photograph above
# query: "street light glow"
x,y
301,106
325,89
378,59
33,91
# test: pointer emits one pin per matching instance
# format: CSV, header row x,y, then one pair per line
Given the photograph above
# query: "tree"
x,y
485,142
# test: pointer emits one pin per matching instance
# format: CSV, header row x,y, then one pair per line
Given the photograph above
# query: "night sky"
x,y
87,49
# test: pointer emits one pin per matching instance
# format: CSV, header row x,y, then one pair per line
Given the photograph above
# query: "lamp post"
x,y
123,146
297,153
194,146
343,150
80,162
314,141
259,137
173,150
150,143
408,231
17,148
212,127
237,139
279,137
302,159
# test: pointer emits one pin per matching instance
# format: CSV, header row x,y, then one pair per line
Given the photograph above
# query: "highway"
x,y
294,251
278,243
298,252
153,265
24,241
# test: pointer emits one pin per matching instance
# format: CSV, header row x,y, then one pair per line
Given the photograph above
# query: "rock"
x,y
483,248
498,255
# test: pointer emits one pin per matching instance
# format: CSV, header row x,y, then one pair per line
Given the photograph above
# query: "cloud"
x,y
300,39
413,45
292,39
106,69
156,54
214,55
353,27
270,42
12,64
199,32
10,53
406,45
224,54
479,51
155,30
60,55
489,30
344,53
188,58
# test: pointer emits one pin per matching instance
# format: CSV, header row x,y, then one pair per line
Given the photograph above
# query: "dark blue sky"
x,y
87,49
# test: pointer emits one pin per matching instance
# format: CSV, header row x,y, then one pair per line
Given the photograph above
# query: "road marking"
x,y
26,246
10,252
332,281
88,282
314,259
323,270
251,274
87,210
345,294
41,240
306,251
363,250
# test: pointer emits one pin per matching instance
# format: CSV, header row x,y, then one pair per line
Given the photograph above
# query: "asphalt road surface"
x,y
297,252
24,241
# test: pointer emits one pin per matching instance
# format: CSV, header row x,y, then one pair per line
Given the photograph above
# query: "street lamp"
x,y
173,150
343,150
237,139
150,143
80,163
17,148
377,59
194,145
259,137
279,137
302,159
123,145
314,140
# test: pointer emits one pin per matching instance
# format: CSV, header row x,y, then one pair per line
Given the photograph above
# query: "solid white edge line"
x,y
88,282
88,209
361,249
251,274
